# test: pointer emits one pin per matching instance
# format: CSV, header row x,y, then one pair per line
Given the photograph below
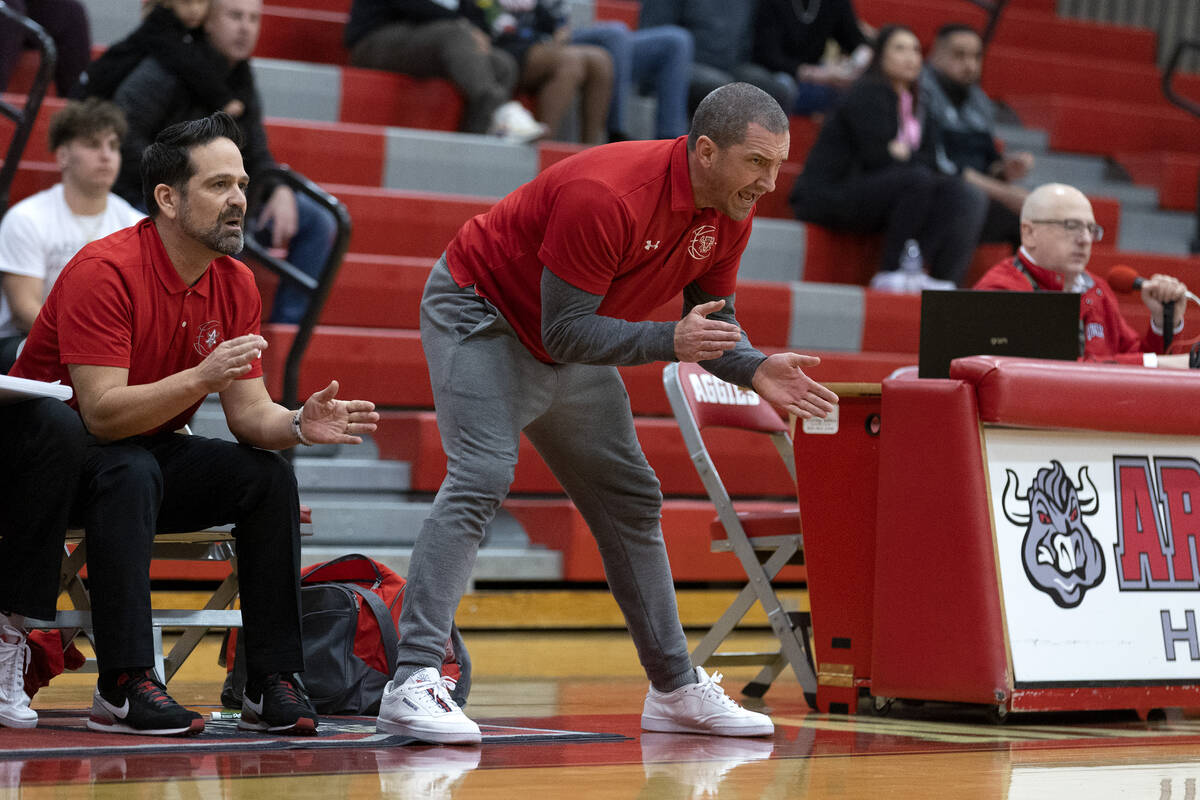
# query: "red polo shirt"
x,y
618,220
120,303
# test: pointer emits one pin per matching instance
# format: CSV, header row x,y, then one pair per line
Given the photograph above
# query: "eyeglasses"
x,y
1075,227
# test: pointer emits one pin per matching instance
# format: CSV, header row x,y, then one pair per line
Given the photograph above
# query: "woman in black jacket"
x,y
874,168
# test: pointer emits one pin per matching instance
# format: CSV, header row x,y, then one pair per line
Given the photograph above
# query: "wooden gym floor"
x,y
591,681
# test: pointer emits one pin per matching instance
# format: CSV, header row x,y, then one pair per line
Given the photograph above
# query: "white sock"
x,y
14,620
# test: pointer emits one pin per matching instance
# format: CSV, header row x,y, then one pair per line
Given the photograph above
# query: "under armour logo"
x,y
653,245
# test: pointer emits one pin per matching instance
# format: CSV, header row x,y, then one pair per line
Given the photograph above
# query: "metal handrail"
x,y
1187,104
24,117
318,288
994,9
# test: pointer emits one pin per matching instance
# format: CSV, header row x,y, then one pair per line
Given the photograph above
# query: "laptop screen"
x,y
969,322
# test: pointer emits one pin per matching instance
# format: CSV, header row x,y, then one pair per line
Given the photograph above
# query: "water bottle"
x,y
912,266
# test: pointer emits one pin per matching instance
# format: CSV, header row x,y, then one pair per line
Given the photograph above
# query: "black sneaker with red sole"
x,y
139,704
277,704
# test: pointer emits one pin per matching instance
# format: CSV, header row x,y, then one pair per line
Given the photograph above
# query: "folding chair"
x,y
764,542
210,545
216,544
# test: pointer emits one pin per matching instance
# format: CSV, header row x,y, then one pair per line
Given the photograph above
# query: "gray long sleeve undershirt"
x,y
573,333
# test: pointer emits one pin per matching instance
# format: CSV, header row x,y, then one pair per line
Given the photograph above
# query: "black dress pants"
x,y
941,212
41,451
167,483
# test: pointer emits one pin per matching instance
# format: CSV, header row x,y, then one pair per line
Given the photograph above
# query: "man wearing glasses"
x,y
1057,233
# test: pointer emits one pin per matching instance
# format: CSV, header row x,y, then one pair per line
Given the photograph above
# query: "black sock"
x,y
110,677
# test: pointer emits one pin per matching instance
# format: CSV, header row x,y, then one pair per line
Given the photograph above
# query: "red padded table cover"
x,y
1040,393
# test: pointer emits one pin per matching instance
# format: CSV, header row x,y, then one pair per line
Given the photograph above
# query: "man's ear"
x,y
60,155
168,201
706,150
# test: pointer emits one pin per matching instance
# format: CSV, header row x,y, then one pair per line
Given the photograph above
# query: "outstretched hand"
x,y
781,380
698,338
327,420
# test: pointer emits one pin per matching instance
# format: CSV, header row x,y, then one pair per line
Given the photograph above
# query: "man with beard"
x,y
966,121
144,324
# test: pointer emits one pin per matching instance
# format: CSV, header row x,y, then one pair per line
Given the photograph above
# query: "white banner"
x,y
1096,544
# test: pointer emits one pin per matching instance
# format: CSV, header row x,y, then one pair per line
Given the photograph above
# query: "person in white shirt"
x,y
39,235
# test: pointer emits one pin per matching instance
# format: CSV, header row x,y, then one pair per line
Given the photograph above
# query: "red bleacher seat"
x,y
302,34
1175,175
375,97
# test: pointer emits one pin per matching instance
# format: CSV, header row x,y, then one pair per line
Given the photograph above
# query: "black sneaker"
x,y
140,704
276,704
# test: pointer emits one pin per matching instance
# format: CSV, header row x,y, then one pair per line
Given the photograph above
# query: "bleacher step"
x,y
348,519
500,564
1017,137
1167,232
350,475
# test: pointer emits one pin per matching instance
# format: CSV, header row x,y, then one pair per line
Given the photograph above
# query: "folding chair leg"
x,y
763,680
223,597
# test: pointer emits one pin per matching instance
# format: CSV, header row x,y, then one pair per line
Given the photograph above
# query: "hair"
x,y
726,113
78,119
169,159
950,29
875,68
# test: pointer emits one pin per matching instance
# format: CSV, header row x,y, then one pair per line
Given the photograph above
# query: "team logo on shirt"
x,y
208,337
703,240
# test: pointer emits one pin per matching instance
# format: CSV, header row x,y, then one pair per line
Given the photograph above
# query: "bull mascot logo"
x,y
1060,555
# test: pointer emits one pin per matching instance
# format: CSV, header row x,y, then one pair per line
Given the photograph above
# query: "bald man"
x,y
1057,233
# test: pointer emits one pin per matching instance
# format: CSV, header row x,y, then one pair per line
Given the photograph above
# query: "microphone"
x,y
1125,279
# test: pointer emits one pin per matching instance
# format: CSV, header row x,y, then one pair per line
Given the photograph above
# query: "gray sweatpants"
x,y
487,389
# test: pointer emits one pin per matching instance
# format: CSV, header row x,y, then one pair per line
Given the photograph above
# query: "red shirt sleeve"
x,y
586,235
95,317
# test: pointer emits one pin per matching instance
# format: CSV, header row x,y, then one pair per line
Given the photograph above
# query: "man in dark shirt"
x,y
153,98
966,119
790,37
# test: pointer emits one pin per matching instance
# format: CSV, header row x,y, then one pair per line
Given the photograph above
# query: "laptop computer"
x,y
969,322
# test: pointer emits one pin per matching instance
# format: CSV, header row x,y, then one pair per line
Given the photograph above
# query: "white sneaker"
x,y
702,707
894,282
513,122
14,660
930,282
421,707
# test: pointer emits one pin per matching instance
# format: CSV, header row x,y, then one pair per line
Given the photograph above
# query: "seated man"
x,y
39,467
966,119
438,39
790,40
724,39
154,98
144,324
1057,232
40,234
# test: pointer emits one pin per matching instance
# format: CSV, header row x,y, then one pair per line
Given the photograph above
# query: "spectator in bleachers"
x,y
723,32
966,121
874,168
143,325
40,234
524,320
437,39
173,33
154,98
66,22
1058,229
658,58
790,39
39,468
555,71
